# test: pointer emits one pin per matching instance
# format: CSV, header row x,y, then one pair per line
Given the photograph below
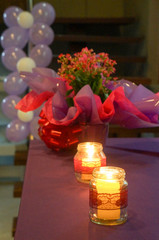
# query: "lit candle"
x,y
108,196
109,190
88,156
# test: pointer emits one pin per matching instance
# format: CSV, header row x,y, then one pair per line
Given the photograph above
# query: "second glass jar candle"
x,y
89,156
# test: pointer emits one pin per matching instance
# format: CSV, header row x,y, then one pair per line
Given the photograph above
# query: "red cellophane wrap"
x,y
58,137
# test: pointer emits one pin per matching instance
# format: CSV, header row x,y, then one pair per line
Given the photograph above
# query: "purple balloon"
x,y
8,106
34,126
11,56
17,130
42,55
10,16
44,13
14,37
41,33
38,110
14,84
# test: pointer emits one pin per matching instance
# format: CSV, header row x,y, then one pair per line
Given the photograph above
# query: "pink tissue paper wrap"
x,y
128,105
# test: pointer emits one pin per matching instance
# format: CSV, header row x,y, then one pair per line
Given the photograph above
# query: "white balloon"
x,y
25,64
25,19
25,116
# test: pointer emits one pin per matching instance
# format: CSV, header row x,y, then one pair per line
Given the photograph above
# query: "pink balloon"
x,y
14,84
14,37
17,130
8,106
38,110
44,13
11,56
41,33
10,16
42,55
34,126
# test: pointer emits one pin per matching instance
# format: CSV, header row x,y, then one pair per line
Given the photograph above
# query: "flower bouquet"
x,y
79,101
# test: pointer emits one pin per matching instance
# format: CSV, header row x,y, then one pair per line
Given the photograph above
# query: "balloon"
x,y
25,116
10,16
14,84
34,127
8,106
14,37
38,110
41,33
42,55
44,13
26,64
17,131
25,19
11,56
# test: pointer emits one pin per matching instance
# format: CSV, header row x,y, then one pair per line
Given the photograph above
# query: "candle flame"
x,y
90,149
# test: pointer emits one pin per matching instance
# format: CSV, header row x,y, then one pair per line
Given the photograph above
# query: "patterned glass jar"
x,y
88,156
108,196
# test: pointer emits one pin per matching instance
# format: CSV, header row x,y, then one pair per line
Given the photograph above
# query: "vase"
x,y
94,133
59,137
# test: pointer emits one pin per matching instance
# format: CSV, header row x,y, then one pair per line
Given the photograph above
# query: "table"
x,y
54,206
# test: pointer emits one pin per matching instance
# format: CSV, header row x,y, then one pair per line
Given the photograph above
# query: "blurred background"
x,y
127,30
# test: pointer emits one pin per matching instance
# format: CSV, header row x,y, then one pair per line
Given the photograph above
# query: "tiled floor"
x,y
9,207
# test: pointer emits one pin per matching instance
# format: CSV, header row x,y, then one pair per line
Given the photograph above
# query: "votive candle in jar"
x,y
108,196
89,155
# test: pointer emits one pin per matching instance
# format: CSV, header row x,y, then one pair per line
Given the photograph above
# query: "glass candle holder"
x,y
88,156
108,196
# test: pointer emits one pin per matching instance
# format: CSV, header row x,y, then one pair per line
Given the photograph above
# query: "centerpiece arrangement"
x,y
87,68
79,101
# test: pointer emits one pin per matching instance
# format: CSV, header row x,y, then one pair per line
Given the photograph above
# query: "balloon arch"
x,y
24,27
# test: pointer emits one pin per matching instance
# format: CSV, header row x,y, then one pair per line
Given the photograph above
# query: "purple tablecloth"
x,y
54,206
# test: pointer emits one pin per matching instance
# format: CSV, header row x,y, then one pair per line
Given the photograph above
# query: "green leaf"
x,y
69,92
70,102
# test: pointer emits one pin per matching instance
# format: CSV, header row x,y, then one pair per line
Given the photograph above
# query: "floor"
x,y
9,207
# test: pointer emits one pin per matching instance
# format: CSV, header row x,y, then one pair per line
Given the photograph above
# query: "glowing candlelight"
x,y
89,156
108,196
110,188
